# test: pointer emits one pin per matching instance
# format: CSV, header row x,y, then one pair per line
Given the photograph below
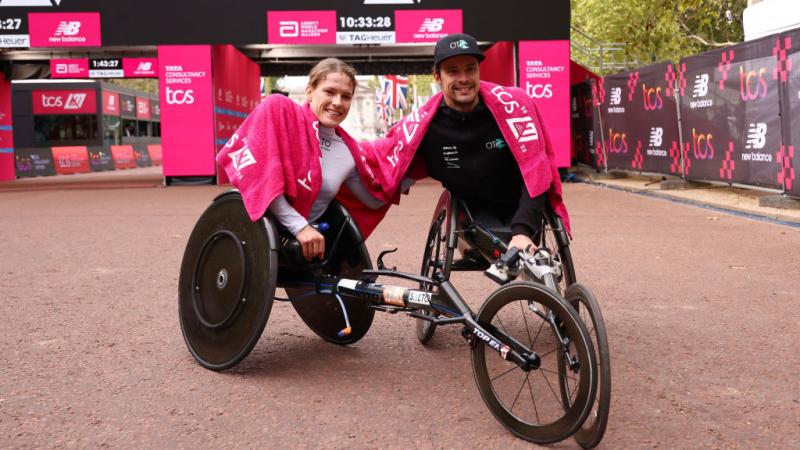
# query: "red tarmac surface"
x,y
701,309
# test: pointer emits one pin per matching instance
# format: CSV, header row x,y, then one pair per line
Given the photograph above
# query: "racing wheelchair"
x,y
523,333
454,228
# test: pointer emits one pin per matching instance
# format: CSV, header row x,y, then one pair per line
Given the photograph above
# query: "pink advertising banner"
x,y
7,171
301,27
110,103
140,67
79,101
426,25
64,29
69,68
544,75
187,110
143,108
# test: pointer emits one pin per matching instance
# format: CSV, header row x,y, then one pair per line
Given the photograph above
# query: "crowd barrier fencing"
x,y
730,115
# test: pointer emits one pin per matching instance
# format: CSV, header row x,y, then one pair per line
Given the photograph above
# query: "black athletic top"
x,y
467,153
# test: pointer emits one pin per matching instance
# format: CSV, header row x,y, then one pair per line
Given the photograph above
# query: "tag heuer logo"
x,y
30,2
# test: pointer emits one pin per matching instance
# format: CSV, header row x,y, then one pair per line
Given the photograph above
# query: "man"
x,y
465,150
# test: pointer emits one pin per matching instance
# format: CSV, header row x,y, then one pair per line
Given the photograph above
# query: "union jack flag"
x,y
396,88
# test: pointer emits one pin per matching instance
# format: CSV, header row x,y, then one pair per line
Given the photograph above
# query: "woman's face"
x,y
330,100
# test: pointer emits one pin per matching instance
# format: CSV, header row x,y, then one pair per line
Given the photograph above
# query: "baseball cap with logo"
x,y
454,45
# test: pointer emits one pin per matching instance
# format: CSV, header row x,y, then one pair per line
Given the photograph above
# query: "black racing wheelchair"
x,y
483,247
539,376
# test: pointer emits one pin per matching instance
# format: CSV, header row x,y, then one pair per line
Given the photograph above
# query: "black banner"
x,y
730,115
158,22
141,155
640,120
100,159
34,162
582,123
127,105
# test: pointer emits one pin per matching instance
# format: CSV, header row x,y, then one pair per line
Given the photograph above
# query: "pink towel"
x,y
276,151
519,121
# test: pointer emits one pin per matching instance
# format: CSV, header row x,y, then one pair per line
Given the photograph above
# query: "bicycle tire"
x,y
592,430
561,421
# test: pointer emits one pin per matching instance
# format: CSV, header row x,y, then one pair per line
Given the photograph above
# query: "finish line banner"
x,y
730,115
640,120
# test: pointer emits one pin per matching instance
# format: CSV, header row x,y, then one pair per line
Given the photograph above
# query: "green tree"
x,y
660,30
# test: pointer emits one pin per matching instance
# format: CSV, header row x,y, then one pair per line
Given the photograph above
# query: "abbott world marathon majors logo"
x,y
699,92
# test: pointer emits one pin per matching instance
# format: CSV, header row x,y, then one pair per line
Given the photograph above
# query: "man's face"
x,y
459,77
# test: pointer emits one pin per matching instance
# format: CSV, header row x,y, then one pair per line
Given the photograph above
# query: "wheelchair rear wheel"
x,y
437,257
227,283
591,432
528,403
554,237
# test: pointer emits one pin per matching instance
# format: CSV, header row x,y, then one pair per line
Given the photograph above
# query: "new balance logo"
x,y
616,96
241,158
144,67
431,25
757,136
71,28
75,101
700,85
656,136
523,128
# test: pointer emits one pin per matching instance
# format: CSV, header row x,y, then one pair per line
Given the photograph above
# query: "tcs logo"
x,y
617,142
538,90
180,96
652,98
752,85
702,147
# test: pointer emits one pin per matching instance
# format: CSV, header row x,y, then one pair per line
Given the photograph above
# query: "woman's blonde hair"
x,y
328,66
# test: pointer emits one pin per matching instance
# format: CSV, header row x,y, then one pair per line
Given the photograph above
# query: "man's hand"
x,y
312,242
522,242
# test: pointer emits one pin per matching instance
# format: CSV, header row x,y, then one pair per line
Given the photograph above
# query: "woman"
x,y
294,159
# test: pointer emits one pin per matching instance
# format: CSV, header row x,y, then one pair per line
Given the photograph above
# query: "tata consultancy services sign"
x,y
83,101
187,110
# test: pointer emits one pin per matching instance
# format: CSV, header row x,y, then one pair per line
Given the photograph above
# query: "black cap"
x,y
454,45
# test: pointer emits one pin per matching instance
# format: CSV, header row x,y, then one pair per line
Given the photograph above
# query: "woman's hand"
x,y
312,242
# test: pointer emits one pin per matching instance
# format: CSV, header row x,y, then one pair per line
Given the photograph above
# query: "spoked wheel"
x,y
530,404
437,257
591,432
554,237
227,283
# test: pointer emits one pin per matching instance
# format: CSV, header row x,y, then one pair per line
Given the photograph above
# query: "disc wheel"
x,y
591,432
436,257
347,257
227,283
530,404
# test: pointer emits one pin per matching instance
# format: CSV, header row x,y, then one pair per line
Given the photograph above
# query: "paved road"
x,y
701,308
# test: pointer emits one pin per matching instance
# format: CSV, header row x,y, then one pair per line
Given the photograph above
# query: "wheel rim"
x,y
530,404
218,280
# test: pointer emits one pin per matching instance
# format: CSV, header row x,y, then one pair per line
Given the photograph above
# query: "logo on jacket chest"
x,y
450,157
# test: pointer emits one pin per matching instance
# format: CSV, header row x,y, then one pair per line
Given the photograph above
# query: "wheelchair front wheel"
x,y
528,403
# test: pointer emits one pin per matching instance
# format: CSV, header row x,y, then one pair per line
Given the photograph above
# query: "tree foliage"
x,y
660,30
